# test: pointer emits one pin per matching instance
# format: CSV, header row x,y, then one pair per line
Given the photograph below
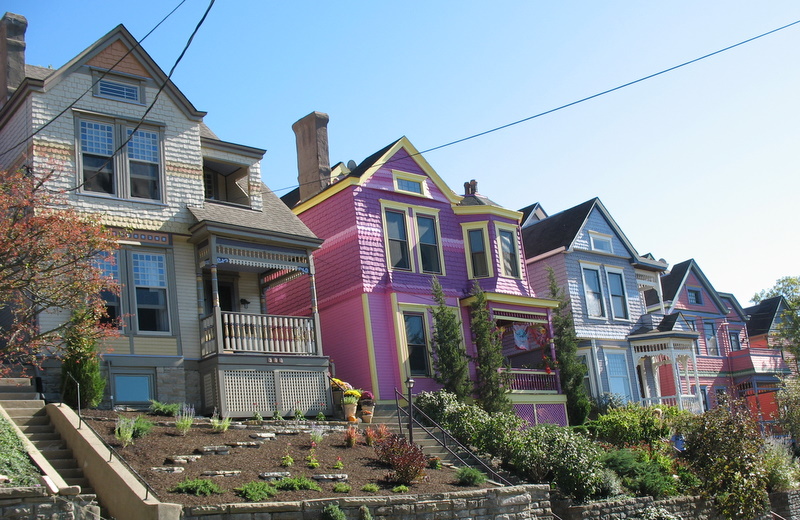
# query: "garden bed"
x,y
163,442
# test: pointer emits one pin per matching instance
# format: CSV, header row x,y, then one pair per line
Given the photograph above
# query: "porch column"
x,y
550,333
215,309
201,308
314,306
697,381
676,374
214,287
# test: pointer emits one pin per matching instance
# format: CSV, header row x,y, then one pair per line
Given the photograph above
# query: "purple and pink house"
x,y
390,225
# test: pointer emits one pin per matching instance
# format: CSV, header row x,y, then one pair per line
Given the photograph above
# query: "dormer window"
x,y
694,296
411,183
122,88
226,182
600,242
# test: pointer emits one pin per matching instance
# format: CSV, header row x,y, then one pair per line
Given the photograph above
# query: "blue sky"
x,y
699,163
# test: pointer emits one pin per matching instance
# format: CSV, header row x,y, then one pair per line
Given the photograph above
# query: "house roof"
x,y
730,299
535,212
763,315
672,283
275,219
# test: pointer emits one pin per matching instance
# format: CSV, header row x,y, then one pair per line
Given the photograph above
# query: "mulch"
x,y
163,441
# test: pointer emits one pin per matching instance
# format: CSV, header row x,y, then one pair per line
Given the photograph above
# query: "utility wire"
x,y
100,77
573,103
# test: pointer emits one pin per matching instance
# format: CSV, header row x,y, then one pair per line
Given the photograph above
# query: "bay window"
x,y
509,255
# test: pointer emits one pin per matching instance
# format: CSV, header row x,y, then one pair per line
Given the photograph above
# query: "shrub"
x,y
332,512
435,463
400,489
198,486
81,362
316,435
256,491
724,448
320,417
470,477
779,465
407,460
141,426
642,472
341,487
364,514
370,488
296,484
184,419
164,409
633,423
124,431
609,484
220,425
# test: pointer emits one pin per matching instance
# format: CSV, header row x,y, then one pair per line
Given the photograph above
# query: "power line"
x,y
593,96
99,78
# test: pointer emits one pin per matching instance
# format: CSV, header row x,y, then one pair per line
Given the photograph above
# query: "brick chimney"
x,y
12,53
471,187
313,164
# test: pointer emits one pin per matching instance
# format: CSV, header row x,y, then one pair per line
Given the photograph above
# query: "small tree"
x,y
565,339
81,362
47,261
491,386
450,360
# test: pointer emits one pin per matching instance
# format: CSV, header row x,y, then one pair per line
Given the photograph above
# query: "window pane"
x,y
477,249
398,243
594,294
151,309
617,289
132,388
417,345
429,245
618,375
735,344
97,138
710,331
509,250
407,185
149,269
144,181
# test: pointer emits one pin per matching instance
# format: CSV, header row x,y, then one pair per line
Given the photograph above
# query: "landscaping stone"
x,y
243,444
216,450
221,473
333,477
264,435
274,475
183,459
168,469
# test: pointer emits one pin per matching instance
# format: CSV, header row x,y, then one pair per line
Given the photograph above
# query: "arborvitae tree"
x,y
491,387
81,361
450,359
571,370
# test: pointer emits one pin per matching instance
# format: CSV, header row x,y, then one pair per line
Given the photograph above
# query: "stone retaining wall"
x,y
37,504
526,502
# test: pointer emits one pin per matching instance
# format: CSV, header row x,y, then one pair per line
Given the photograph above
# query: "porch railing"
x,y
257,333
687,402
536,380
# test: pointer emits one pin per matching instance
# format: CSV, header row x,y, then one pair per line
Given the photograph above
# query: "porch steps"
x,y
18,399
387,414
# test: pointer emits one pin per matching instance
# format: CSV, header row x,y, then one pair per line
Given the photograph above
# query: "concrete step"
x,y
16,381
14,413
47,436
16,393
27,421
21,403
56,453
33,429
63,464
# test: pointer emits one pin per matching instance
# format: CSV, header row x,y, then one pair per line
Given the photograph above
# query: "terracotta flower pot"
x,y
349,410
367,411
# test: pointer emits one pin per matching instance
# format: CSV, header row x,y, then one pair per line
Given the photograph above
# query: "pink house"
x,y
390,225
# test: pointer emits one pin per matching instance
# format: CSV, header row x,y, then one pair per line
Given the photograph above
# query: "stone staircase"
x,y
21,402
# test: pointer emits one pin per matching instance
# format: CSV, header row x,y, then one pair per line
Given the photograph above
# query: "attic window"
x,y
695,296
120,88
410,183
600,242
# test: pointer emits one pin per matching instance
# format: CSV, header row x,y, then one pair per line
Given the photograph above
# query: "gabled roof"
x,y
672,283
561,230
734,304
671,325
764,314
532,214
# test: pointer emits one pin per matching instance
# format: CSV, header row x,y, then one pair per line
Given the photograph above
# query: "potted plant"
x,y
350,403
367,403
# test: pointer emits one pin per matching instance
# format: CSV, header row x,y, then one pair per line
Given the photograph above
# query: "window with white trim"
x,y
736,344
710,333
411,183
600,242
618,377
120,88
150,282
478,258
397,238
416,340
133,172
509,253
616,291
593,289
429,250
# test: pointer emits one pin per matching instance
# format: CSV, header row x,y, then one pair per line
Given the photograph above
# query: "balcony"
x,y
235,332
534,381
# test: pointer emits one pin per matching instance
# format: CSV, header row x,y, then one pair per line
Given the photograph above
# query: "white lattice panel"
x,y
249,391
303,390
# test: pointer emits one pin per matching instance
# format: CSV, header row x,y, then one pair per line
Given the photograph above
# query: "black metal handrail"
x,y
446,437
112,451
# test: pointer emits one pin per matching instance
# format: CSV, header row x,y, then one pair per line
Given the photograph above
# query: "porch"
x,y
536,396
235,332
531,380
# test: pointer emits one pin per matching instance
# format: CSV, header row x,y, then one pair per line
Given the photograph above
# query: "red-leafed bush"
x,y
407,460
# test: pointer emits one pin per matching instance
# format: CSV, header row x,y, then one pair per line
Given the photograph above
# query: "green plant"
x,y
256,491
491,385
341,487
256,417
164,409
608,485
320,417
332,512
80,362
14,459
724,447
287,460
296,484
467,476
298,415
338,464
316,435
276,415
220,425
349,399
184,419
123,432
643,472
370,488
435,463
780,467
400,489
198,486
141,426
633,423
450,360
363,513
311,459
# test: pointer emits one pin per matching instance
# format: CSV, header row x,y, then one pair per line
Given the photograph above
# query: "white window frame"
x,y
483,228
596,238
586,291
399,176
133,82
119,161
152,287
617,271
607,353
715,336
586,359
735,334
501,228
